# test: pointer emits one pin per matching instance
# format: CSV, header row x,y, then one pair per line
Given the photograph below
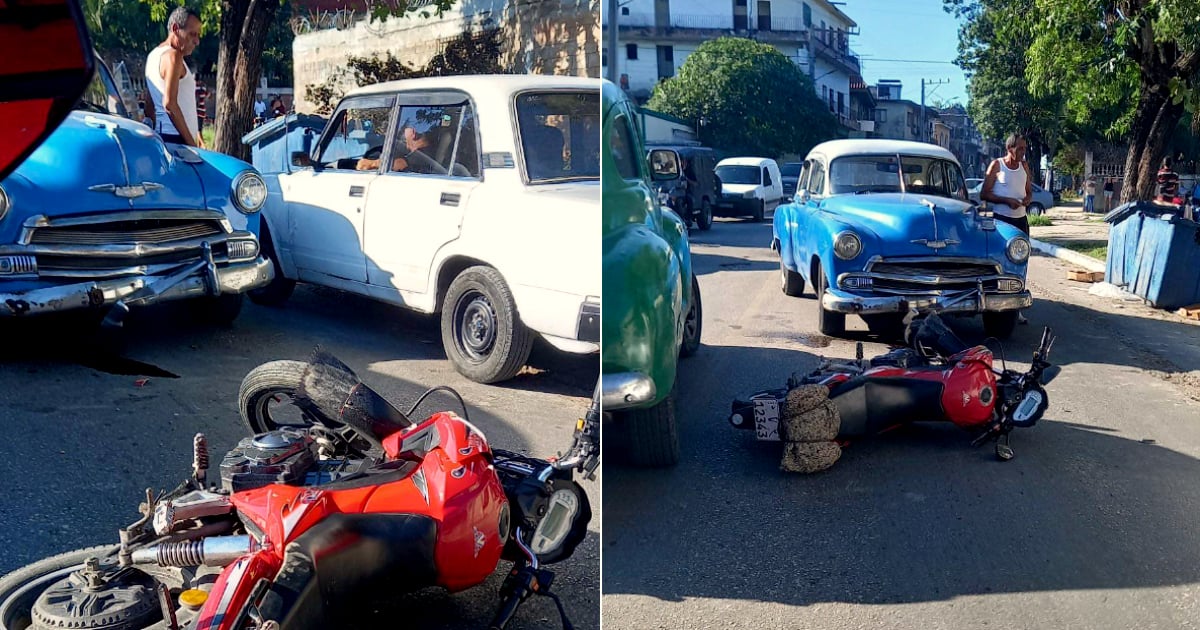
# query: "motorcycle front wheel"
x,y
21,588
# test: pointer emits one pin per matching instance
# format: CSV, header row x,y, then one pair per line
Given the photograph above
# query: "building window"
x,y
631,51
824,32
666,62
624,10
881,116
841,103
807,15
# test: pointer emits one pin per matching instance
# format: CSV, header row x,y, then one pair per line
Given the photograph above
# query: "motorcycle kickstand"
x,y
1004,450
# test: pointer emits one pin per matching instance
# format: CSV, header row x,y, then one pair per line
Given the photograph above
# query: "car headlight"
x,y
847,245
1018,250
249,192
5,204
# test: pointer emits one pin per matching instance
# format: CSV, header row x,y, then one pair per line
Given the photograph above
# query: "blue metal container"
x,y
1155,254
1123,238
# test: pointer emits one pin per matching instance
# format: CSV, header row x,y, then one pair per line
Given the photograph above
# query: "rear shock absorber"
x,y
217,551
200,459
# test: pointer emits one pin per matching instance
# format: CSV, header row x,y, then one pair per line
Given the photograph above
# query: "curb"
x,y
1071,256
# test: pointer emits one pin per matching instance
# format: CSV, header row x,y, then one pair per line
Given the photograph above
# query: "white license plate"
x,y
766,419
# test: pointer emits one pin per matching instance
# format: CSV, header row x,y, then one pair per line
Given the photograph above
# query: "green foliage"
x,y
1039,220
1070,160
469,53
749,97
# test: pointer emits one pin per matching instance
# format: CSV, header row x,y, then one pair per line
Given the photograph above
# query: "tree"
x,y
1104,52
748,98
242,28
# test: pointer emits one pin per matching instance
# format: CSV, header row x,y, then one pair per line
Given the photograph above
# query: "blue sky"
x,y
896,34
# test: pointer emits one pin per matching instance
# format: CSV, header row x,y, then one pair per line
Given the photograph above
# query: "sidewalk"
x,y
1072,230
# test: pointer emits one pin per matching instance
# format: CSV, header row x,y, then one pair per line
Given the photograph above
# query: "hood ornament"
x,y
935,243
127,192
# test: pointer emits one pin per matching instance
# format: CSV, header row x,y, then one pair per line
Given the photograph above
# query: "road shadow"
x,y
705,263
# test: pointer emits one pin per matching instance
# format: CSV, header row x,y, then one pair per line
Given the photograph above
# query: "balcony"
x,y
691,27
840,56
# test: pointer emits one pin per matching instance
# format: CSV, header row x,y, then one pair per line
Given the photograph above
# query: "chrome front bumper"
x,y
841,302
625,389
194,280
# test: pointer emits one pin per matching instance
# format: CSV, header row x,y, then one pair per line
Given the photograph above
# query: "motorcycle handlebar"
x,y
506,613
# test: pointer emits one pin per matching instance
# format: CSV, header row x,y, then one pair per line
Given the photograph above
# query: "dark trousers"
x,y
1021,223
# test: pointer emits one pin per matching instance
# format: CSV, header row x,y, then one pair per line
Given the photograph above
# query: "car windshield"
x,y
560,135
97,97
860,174
791,169
738,174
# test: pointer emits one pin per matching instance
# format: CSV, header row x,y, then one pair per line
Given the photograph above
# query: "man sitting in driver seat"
x,y
413,141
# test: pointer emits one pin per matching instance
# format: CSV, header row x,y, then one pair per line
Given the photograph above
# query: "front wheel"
x,y
829,323
280,288
653,437
481,331
222,309
761,211
1000,325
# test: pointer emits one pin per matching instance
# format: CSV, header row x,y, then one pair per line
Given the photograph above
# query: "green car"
x,y
652,310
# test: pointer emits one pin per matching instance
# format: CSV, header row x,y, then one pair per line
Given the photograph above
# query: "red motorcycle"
x,y
936,377
312,525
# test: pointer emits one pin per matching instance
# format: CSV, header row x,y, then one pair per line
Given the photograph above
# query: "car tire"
x,y
791,282
693,323
760,212
705,220
652,434
829,323
221,310
280,288
889,326
1000,325
1036,209
498,343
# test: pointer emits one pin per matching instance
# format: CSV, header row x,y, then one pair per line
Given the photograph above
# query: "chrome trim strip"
x,y
625,389
133,250
840,302
42,220
874,260
925,279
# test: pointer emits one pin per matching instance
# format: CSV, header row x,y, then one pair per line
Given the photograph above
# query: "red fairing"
x,y
969,386
458,490
234,586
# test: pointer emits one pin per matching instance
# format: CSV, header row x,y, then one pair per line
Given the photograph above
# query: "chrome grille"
x,y
125,232
949,270
904,286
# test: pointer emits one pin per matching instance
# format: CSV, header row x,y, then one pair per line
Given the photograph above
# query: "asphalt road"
x,y
1093,524
83,439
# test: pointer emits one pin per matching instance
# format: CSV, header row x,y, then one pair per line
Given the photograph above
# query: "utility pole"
x,y
613,40
925,118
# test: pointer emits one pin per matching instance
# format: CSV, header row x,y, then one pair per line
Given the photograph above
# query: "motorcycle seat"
x,y
869,404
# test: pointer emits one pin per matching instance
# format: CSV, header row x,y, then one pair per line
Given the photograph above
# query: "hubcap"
x,y
476,323
87,601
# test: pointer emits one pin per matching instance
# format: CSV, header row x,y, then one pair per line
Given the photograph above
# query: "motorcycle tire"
x,y
16,596
266,384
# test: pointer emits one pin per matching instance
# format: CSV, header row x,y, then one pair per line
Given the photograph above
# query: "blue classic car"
x,y
879,227
104,215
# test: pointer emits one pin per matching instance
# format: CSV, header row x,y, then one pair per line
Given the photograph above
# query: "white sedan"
x,y
1042,198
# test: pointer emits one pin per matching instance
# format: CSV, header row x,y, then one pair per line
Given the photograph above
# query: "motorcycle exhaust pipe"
x,y
217,551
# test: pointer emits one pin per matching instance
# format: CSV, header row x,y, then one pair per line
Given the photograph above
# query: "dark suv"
x,y
790,173
691,191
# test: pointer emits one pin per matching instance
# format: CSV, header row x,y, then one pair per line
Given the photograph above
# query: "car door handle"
x,y
356,191
451,199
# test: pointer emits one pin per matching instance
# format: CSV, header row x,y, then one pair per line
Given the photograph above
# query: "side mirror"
x,y
664,165
37,91
802,196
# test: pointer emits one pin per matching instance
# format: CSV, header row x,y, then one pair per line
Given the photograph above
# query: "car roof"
x,y
502,84
839,148
744,161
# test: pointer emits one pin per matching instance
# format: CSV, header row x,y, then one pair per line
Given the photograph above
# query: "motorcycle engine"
x,y
283,456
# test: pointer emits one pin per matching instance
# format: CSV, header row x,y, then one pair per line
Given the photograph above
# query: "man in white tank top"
x,y
1009,186
171,84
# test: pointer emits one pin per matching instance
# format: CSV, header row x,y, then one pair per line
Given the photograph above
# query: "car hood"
x,y
96,163
737,189
905,225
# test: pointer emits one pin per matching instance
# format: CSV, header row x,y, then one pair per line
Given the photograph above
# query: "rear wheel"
x,y
791,282
127,603
1036,209
692,323
481,331
761,211
653,437
705,220
829,323
1000,325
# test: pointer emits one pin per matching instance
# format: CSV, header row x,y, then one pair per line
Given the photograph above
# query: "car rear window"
x,y
560,135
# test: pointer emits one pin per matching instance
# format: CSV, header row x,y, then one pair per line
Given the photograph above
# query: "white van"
x,y
750,186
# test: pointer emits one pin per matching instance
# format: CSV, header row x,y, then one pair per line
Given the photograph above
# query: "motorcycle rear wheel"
x,y
21,588
274,382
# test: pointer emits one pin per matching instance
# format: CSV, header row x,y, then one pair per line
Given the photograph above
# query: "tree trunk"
x,y
1165,122
1150,101
233,15
236,118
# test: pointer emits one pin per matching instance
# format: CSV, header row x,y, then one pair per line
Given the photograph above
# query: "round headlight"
x,y
5,204
847,246
249,192
1018,250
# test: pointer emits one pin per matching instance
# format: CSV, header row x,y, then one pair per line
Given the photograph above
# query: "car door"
x,y
809,215
326,203
417,204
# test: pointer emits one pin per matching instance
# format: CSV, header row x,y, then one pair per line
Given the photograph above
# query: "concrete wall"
x,y
538,36
896,126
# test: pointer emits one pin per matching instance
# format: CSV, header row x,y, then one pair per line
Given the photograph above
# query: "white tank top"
x,y
1009,183
187,96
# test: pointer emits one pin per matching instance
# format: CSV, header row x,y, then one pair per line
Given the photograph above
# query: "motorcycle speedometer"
x,y
1029,410
553,529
